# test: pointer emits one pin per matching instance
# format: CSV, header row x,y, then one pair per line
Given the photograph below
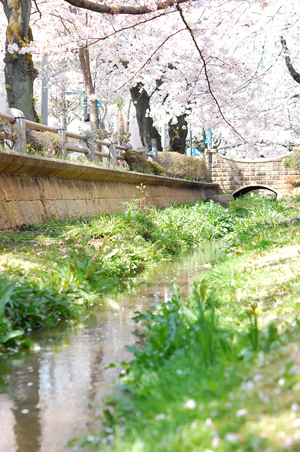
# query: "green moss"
x,y
157,169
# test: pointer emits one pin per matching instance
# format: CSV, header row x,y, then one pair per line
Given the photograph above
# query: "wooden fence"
x,y
88,145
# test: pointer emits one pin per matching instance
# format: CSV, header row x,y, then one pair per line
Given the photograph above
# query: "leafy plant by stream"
x,y
26,306
210,377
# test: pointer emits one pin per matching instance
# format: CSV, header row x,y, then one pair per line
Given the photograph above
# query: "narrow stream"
x,y
56,394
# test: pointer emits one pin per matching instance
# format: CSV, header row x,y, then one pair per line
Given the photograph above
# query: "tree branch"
x,y
150,58
92,41
122,9
292,71
37,8
206,72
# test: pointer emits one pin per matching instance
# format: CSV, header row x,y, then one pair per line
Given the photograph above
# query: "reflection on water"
x,y
55,394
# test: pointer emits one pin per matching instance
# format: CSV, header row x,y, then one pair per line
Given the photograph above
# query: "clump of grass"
x,y
174,326
181,166
26,306
47,144
86,257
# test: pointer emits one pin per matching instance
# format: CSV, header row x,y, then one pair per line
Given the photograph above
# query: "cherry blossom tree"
x,y
194,80
219,64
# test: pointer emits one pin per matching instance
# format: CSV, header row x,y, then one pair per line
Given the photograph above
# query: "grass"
x,y
219,371
71,263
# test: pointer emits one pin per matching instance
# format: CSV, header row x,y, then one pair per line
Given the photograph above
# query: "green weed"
x,y
83,258
25,306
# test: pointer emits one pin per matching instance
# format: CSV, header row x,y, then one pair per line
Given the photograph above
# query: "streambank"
x,y
182,386
54,272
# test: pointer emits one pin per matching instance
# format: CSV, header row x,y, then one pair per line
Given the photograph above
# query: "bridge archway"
x,y
248,188
239,176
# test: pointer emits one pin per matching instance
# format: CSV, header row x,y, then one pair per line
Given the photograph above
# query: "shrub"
x,y
293,160
24,304
4,126
178,165
47,144
136,162
11,133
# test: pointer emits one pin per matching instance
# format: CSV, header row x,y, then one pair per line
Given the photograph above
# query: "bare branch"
x,y
37,8
103,38
122,9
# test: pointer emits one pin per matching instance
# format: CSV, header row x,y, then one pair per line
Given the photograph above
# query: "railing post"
x,y
62,133
143,152
106,148
89,145
18,129
113,153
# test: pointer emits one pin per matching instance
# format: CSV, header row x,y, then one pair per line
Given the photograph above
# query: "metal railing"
x,y
87,144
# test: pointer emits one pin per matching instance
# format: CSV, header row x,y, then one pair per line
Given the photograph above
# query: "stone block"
x,y
51,188
5,216
77,190
11,187
63,210
97,189
30,212
260,173
50,209
14,215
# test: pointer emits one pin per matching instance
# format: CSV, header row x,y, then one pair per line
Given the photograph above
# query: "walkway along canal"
x,y
52,395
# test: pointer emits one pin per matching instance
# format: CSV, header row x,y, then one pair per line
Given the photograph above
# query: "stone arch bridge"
x,y
240,176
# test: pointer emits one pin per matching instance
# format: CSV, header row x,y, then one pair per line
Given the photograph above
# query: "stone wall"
x,y
233,174
37,189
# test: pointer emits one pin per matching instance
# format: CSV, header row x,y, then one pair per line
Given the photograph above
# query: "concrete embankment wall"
x,y
37,189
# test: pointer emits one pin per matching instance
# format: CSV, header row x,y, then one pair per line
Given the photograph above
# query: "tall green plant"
x,y
25,305
206,323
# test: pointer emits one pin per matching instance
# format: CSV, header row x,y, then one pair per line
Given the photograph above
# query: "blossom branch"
x,y
206,72
150,57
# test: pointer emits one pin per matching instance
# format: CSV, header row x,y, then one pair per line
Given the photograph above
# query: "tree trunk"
x,y
178,133
141,101
64,113
19,70
121,122
84,58
291,69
